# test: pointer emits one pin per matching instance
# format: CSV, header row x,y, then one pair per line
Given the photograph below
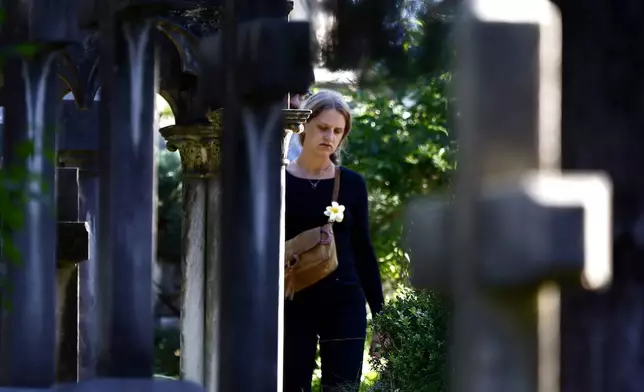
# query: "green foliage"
x,y
169,211
414,347
166,352
16,190
14,194
401,145
424,47
11,201
389,41
169,206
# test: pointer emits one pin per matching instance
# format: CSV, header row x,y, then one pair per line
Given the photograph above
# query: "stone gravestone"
x,y
518,227
73,248
78,148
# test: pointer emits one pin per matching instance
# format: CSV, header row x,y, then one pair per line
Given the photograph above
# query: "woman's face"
x,y
323,133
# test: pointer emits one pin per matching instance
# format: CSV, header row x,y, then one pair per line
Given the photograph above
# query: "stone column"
x,y
127,183
198,145
213,240
293,122
28,330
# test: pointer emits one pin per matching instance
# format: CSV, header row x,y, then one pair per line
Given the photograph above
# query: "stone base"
x,y
120,385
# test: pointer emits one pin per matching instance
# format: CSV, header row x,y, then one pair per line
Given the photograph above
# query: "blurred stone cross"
x,y
517,227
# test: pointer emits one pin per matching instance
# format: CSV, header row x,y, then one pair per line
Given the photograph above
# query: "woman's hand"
x,y
376,343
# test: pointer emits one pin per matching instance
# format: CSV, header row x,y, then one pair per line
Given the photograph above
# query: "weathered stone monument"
x,y
199,146
518,228
78,148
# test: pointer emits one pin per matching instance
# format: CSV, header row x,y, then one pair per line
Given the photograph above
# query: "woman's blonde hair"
x,y
325,100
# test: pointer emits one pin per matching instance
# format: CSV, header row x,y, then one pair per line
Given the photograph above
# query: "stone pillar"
x,y
198,145
127,183
28,330
293,122
213,240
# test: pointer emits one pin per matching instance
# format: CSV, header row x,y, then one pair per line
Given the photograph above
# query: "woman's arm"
x,y
366,261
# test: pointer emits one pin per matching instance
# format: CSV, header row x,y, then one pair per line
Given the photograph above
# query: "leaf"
x,y
27,49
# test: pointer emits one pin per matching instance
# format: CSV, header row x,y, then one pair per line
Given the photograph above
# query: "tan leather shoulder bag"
x,y
311,256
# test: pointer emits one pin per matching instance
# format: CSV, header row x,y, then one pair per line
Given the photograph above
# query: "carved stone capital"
x,y
294,119
198,145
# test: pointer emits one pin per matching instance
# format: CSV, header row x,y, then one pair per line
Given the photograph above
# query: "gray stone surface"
x,y
516,223
118,385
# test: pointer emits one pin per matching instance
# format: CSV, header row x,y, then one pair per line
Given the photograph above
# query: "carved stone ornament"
x,y
198,145
294,119
216,118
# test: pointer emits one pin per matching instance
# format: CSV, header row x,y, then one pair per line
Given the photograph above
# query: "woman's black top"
x,y
357,263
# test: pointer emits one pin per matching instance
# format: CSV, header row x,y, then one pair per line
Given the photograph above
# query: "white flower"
x,y
335,212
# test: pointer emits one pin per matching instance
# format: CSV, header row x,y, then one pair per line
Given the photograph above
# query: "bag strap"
x,y
336,184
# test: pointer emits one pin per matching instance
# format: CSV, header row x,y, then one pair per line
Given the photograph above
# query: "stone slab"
x,y
120,385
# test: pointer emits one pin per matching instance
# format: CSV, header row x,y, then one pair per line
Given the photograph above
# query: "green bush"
x,y
169,207
166,352
414,346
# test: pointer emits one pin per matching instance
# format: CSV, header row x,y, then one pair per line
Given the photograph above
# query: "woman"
x,y
332,310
